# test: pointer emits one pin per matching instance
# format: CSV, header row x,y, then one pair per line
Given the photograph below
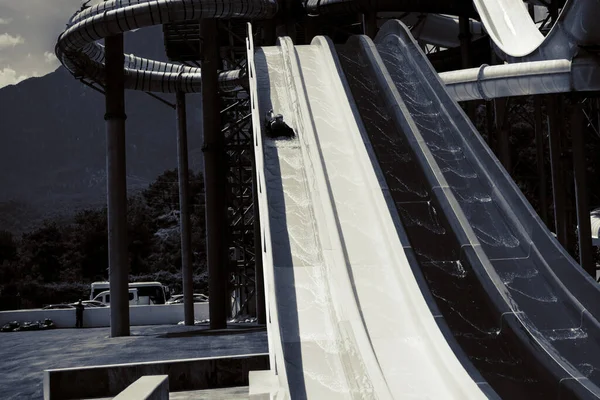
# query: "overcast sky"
x,y
28,33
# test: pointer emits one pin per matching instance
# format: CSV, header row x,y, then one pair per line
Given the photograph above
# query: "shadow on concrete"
x,y
230,330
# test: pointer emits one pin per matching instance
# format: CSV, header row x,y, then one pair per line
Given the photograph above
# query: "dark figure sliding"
x,y
276,127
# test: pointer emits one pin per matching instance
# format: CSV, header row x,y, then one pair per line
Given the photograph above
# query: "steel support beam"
x,y
553,10
465,41
369,22
558,184
311,28
269,36
586,258
539,152
184,211
214,178
466,55
116,187
259,280
502,142
489,125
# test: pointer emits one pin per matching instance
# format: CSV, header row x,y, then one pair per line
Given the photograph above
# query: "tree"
x,y
162,196
41,252
8,246
86,255
140,235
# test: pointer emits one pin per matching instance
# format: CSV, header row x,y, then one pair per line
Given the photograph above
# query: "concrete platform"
x,y
236,393
25,355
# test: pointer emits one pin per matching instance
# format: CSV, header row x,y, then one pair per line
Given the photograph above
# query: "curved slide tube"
x,y
517,38
546,304
351,319
78,51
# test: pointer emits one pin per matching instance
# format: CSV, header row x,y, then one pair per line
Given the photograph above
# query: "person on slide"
x,y
276,127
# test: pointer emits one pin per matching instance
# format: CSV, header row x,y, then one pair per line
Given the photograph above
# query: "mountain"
x,y
52,141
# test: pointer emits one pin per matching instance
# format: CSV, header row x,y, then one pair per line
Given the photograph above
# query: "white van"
x,y
148,292
104,297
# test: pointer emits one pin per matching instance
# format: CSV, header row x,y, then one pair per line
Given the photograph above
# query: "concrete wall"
x,y
191,374
100,317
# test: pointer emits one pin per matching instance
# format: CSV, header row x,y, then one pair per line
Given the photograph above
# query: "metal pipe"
x,y
505,80
184,211
586,258
116,187
214,178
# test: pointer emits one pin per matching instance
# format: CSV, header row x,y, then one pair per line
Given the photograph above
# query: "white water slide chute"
x,y
347,317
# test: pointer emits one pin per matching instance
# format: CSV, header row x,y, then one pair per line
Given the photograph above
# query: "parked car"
x,y
57,306
104,297
86,304
91,304
178,298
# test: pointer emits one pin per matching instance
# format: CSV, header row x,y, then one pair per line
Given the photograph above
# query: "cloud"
x,y
8,76
5,21
50,58
7,40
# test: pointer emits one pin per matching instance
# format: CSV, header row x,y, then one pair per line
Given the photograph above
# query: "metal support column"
x,y
553,10
539,152
269,34
311,28
466,57
116,186
214,178
369,22
489,125
586,258
558,186
465,41
502,142
184,211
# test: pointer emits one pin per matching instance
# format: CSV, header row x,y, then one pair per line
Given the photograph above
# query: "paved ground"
x,y
25,355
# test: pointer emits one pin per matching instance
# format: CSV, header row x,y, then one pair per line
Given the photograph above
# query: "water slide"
x,y
517,38
520,308
456,292
538,309
347,316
